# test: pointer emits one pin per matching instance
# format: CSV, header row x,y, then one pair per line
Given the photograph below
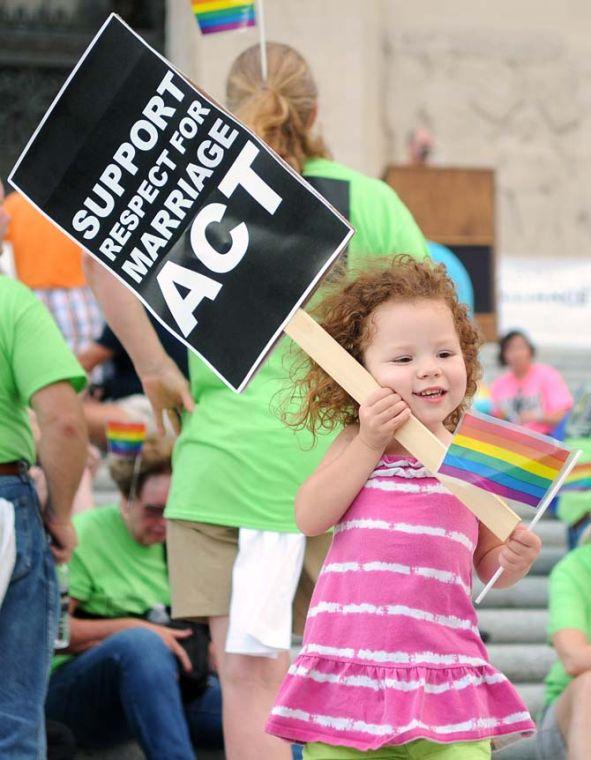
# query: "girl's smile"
x,y
431,395
415,350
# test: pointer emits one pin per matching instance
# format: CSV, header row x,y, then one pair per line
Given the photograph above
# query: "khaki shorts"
x,y
200,562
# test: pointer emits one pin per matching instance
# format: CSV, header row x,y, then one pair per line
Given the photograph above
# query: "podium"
x,y
456,207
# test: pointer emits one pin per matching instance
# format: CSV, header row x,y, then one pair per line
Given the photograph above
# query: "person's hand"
x,y
63,535
40,482
94,459
529,416
520,551
167,390
380,415
171,636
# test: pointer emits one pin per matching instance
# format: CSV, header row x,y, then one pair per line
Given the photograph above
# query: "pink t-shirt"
x,y
542,391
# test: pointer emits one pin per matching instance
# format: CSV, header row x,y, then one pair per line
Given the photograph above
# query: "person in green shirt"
x,y
38,371
565,727
120,679
235,465
574,507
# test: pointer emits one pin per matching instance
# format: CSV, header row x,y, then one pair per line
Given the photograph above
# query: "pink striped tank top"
x,y
391,649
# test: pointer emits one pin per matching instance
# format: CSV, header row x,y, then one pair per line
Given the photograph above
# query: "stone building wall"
x,y
500,84
508,88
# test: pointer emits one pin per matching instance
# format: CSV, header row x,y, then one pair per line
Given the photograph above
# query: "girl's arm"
x,y
326,495
515,556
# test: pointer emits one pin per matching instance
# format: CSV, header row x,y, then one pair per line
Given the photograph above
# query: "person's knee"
x,y
582,685
245,672
143,651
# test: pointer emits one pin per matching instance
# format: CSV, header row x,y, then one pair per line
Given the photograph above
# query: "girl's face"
x,y
415,350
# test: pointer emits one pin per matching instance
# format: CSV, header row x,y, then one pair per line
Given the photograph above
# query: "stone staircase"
x,y
515,621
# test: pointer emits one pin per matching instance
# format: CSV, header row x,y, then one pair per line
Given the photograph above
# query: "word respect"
x,y
143,223
144,135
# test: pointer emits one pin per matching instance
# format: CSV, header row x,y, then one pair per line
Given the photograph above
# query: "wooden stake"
x,y
489,508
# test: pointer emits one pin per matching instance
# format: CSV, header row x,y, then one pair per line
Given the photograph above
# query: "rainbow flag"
x,y
579,479
508,460
222,15
125,439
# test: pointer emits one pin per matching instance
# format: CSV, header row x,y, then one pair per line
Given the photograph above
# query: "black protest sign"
x,y
218,237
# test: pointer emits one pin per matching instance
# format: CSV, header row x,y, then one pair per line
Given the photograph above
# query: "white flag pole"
x,y
570,463
263,38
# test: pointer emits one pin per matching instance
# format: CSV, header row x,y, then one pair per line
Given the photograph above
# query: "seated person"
x,y
529,393
120,397
565,726
124,677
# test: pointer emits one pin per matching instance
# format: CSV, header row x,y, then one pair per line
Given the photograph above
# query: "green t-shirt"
x,y
569,607
33,354
110,574
573,505
235,463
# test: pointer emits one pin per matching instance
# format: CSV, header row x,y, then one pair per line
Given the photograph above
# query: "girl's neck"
x,y
394,448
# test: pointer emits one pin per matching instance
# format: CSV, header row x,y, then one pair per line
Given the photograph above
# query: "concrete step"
x,y
533,694
522,663
526,512
524,749
102,498
513,626
102,480
132,751
531,591
546,559
552,533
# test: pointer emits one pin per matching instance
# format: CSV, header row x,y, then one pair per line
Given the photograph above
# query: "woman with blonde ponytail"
x,y
236,467
281,110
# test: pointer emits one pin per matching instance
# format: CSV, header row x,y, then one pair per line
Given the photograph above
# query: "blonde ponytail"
x,y
281,110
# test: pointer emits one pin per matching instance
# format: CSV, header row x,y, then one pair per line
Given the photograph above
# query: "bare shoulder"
x,y
340,443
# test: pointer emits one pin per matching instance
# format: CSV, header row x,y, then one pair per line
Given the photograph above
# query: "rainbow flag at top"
x,y
125,439
508,460
223,15
579,478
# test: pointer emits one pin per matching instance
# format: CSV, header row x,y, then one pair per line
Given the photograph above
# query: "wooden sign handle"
x,y
489,508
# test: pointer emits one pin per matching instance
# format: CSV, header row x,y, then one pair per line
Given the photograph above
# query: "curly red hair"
x,y
344,311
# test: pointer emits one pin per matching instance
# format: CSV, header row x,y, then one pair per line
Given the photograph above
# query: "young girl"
x,y
392,665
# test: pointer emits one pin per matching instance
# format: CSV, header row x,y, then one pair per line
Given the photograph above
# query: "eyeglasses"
x,y
153,510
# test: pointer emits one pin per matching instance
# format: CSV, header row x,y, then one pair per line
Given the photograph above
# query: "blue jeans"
x,y
28,625
125,688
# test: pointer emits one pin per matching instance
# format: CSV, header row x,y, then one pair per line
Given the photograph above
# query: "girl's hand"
x,y
519,552
380,415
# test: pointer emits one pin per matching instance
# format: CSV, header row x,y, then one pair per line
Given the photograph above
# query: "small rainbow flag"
x,y
579,478
125,439
222,15
508,460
